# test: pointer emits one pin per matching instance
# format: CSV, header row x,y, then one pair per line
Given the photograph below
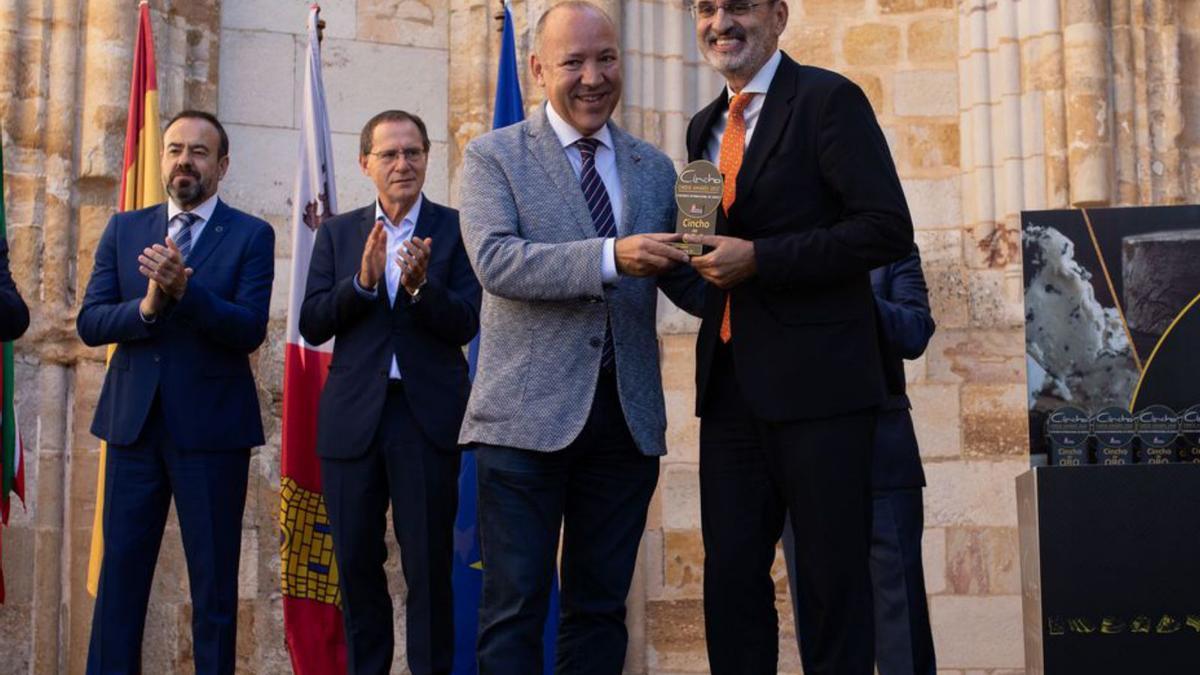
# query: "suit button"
x,y
595,342
157,358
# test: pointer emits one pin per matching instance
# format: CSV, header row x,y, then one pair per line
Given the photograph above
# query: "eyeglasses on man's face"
x,y
707,10
410,155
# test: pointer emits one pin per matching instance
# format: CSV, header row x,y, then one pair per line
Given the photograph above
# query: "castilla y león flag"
x,y
312,616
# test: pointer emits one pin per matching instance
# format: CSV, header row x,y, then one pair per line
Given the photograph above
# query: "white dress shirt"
x,y
205,211
396,236
606,166
757,85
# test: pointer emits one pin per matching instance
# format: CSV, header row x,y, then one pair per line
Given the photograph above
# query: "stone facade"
x,y
991,107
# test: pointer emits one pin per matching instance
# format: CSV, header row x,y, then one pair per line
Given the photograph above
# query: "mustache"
x,y
184,171
732,32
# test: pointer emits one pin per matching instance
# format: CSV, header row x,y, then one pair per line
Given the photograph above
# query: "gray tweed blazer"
x,y
530,237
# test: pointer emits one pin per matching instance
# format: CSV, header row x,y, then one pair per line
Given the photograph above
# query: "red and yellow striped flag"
x,y
141,186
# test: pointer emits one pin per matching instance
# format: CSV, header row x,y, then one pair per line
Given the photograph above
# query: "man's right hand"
x,y
374,257
154,301
644,255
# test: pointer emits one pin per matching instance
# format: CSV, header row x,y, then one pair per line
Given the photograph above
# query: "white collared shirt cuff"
x,y
608,262
370,295
147,319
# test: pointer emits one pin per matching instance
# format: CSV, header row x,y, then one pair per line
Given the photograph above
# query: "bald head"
x,y
577,62
572,6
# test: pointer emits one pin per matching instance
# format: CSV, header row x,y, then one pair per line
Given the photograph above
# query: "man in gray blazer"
x,y
565,218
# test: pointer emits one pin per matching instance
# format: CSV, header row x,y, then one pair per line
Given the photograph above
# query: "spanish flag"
x,y
141,186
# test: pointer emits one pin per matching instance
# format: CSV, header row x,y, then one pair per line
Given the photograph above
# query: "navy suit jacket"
x,y
195,355
14,315
426,337
905,326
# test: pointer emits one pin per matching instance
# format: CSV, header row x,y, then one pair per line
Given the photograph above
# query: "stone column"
x,y
1088,107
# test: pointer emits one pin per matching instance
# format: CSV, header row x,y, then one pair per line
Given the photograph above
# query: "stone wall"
x,y
990,106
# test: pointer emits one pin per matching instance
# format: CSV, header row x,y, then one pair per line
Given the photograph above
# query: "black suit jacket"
x,y
905,325
819,196
426,337
14,315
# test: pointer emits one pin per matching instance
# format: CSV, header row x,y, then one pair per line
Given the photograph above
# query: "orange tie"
x,y
733,146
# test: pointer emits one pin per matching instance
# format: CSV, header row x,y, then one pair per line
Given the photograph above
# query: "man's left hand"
x,y
413,259
164,265
729,263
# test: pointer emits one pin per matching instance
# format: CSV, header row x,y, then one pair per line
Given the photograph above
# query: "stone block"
x,y
933,559
939,246
18,638
281,289
261,169
651,563
675,636
833,8
810,42
925,93
19,564
933,203
258,80
925,146
978,632
363,78
248,565
984,357
949,293
994,420
979,493
683,564
935,413
872,44
993,303
933,39
416,23
983,561
289,17
901,6
872,86
247,637
680,484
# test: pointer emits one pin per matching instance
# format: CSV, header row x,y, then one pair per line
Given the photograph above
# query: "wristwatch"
x,y
415,296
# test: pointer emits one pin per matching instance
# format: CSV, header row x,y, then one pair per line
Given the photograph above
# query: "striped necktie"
x,y
733,147
602,218
183,238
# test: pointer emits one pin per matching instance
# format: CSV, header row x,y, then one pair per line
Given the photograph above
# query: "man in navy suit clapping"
x,y
182,289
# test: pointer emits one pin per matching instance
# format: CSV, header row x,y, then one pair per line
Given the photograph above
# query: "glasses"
x,y
707,10
390,156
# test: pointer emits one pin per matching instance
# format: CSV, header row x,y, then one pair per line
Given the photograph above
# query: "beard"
x,y
745,62
191,192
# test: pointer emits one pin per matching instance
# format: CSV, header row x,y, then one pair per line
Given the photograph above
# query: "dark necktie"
x,y
602,218
183,238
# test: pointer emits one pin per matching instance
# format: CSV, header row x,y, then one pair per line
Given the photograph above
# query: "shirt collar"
x,y
761,82
205,210
411,215
568,134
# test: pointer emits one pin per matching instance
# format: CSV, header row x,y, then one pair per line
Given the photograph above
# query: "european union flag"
x,y
468,564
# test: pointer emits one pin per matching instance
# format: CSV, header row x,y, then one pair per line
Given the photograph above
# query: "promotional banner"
x,y
1111,324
